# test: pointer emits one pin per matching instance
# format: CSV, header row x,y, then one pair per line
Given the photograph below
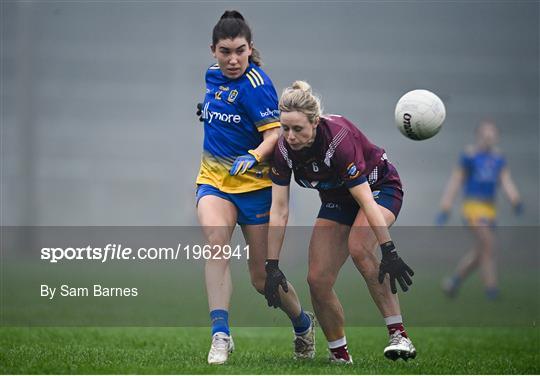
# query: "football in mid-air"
x,y
419,114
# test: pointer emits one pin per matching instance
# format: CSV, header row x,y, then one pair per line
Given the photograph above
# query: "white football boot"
x,y
304,345
449,287
399,347
222,346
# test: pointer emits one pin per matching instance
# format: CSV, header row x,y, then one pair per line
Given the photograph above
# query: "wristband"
x,y
255,155
388,247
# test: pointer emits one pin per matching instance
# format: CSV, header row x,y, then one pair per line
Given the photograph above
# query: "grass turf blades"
x,y
262,351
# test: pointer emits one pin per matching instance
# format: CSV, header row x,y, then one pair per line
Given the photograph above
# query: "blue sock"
x,y
220,321
302,323
456,281
492,293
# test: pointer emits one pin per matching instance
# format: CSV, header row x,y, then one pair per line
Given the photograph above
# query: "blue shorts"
x,y
253,207
389,197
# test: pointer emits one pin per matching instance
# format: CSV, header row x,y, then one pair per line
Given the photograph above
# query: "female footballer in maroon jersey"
x,y
361,196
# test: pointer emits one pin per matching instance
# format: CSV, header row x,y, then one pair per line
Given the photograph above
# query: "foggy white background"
x,y
98,98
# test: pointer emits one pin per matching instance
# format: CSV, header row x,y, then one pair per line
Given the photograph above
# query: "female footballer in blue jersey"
x,y
481,168
241,127
361,197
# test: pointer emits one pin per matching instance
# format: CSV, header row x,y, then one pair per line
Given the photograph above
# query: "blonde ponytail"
x,y
301,85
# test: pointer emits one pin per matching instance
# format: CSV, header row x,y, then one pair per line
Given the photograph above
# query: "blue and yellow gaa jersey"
x,y
235,113
482,172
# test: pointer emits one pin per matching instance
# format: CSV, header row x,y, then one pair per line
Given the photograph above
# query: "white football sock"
x,y
390,320
337,343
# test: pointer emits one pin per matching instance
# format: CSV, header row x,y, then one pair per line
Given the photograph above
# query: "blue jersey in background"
x,y
482,173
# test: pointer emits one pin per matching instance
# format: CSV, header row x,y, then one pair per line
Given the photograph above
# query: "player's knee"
x,y
319,282
486,250
363,257
488,243
217,236
485,246
258,281
217,239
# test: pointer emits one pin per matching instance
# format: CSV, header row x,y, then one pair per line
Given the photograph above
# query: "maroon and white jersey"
x,y
340,158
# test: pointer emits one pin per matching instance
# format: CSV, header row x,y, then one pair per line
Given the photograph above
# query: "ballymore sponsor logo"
x,y
214,115
269,113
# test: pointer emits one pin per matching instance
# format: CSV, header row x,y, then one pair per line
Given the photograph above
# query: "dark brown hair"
x,y
233,25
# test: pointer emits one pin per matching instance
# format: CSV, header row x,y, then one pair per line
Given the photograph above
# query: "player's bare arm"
x,y
452,188
364,196
279,215
266,148
510,188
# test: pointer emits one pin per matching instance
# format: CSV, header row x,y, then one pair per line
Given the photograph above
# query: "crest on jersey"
x,y
352,171
232,96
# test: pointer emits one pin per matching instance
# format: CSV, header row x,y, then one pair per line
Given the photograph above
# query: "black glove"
x,y
274,279
199,111
396,268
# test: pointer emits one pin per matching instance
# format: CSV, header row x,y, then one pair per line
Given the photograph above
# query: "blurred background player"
x,y
241,127
482,167
361,196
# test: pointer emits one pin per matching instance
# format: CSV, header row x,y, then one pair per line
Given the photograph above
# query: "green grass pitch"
x,y
165,329
262,351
